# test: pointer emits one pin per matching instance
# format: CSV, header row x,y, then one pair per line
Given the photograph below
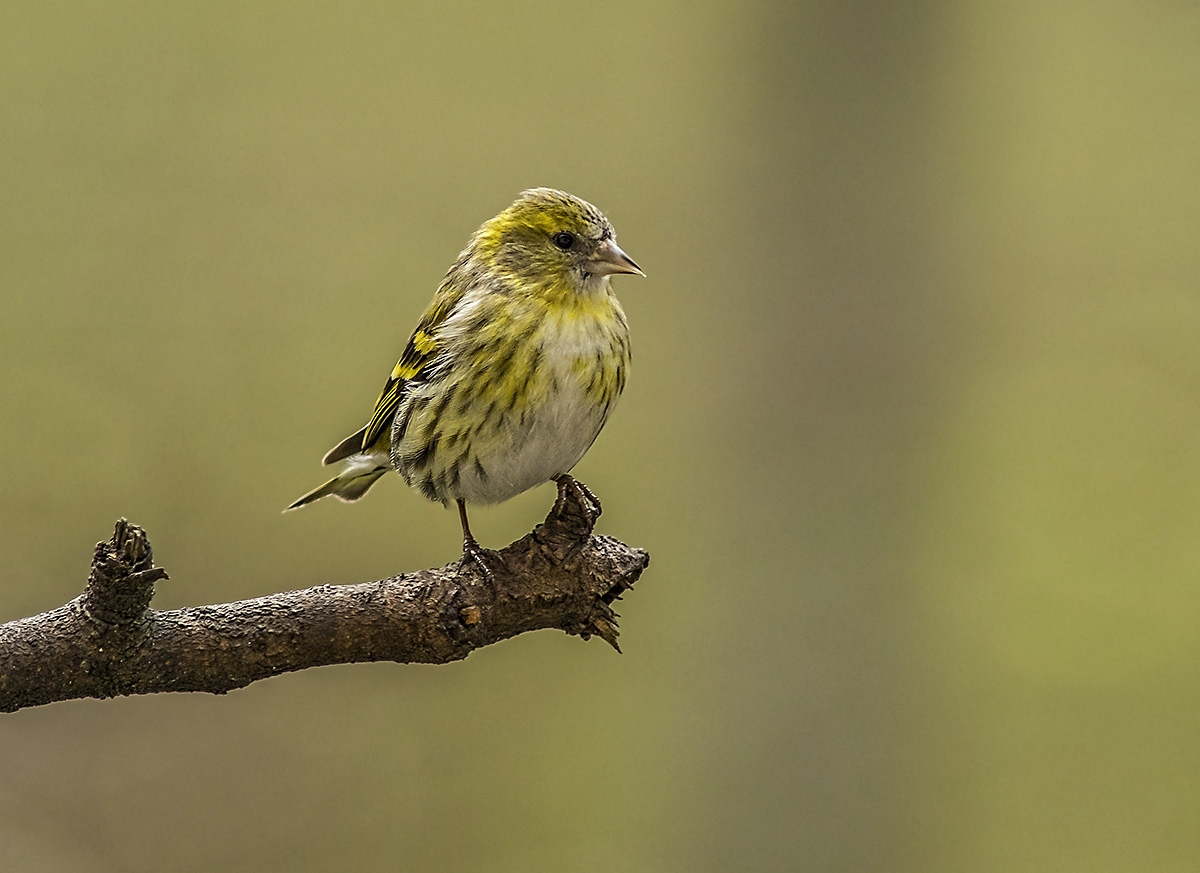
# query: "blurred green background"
x,y
912,430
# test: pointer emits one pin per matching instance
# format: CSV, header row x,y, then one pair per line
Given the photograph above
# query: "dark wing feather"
x,y
351,445
413,366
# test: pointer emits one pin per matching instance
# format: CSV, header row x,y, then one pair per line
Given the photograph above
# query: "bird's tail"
x,y
350,484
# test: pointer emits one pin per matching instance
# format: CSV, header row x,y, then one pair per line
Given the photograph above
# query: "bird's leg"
x,y
472,551
589,501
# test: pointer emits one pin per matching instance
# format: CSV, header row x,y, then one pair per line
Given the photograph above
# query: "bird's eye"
x,y
563,240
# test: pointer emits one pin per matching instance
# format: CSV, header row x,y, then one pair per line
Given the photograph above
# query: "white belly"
x,y
551,442
486,457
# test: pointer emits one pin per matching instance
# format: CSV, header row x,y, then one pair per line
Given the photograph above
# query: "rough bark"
x,y
109,642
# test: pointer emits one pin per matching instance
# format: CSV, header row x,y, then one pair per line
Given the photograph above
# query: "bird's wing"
x,y
413,366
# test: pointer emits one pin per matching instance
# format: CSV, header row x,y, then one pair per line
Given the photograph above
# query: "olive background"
x,y
911,432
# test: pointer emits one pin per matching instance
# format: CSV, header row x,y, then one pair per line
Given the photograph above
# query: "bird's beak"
x,y
608,259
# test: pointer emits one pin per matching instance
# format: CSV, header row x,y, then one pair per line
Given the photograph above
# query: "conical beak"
x,y
608,259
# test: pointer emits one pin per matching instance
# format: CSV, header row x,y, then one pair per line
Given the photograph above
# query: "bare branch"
x,y
108,642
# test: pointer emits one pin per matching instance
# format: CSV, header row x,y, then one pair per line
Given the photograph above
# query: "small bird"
x,y
512,370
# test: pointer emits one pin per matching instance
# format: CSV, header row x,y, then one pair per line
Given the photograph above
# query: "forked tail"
x,y
349,485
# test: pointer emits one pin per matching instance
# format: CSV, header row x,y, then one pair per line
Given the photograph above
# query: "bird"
x,y
512,371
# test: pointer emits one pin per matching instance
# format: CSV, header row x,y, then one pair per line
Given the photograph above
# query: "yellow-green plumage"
x,y
512,370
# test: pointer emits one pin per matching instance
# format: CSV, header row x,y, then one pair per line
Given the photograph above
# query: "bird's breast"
x,y
526,411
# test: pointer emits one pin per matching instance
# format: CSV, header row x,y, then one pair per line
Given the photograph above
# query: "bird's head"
x,y
548,238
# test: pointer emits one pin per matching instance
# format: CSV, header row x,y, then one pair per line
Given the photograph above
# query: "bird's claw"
x,y
473,553
588,501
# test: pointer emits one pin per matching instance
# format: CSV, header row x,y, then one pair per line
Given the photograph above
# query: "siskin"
x,y
512,370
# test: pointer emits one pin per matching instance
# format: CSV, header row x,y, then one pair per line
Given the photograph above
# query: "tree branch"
x,y
108,641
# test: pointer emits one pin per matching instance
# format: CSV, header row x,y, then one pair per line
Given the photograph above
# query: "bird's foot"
x,y
484,559
583,495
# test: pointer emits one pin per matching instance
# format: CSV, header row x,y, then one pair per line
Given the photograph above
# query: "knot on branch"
x,y
121,583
